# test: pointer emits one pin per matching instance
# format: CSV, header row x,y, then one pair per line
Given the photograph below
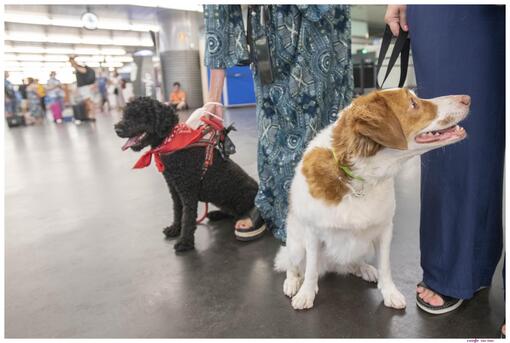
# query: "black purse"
x,y
402,48
260,55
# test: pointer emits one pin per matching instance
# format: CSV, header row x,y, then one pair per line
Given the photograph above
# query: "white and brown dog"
x,y
342,198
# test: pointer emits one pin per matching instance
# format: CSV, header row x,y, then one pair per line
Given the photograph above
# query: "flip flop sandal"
x,y
257,229
449,304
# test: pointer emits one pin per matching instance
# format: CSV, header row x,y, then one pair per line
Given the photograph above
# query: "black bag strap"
x,y
402,47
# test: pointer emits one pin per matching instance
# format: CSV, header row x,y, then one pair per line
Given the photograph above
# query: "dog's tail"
x,y
282,260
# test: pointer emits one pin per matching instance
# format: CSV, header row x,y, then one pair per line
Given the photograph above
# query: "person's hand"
x,y
396,16
214,109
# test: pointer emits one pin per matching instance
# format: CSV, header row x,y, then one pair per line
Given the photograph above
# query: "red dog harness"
x,y
184,137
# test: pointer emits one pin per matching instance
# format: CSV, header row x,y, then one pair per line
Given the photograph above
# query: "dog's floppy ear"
x,y
376,121
165,121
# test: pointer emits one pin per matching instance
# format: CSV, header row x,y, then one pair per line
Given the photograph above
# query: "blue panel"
x,y
240,86
239,82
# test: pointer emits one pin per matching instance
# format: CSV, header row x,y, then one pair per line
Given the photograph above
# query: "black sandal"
x,y
449,303
257,229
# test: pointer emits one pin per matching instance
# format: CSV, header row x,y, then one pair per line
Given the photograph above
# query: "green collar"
x,y
346,169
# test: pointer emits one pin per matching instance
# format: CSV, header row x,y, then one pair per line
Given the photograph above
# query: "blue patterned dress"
x,y
311,51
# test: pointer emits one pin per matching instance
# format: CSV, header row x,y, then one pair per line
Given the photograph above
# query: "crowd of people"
x,y
32,101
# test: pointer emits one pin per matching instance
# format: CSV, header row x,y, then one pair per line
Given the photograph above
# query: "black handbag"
x,y
402,48
259,52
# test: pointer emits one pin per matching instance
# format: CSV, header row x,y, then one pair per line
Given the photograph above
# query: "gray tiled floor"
x,y
85,256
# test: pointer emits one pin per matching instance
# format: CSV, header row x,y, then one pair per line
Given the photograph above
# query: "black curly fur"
x,y
224,184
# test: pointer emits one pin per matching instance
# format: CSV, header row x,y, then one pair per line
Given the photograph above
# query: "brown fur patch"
x,y
411,119
321,173
372,122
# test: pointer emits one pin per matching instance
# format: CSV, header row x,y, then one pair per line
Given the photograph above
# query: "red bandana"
x,y
181,136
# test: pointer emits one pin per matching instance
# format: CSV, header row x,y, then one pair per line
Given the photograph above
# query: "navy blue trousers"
x,y
461,50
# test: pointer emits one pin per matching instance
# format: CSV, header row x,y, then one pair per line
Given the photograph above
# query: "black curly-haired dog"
x,y
148,122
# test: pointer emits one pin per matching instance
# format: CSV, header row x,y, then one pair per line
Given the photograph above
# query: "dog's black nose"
x,y
118,129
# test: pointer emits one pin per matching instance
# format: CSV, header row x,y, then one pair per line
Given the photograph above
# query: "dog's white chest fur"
x,y
354,214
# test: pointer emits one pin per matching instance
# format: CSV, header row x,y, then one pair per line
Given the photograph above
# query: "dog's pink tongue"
x,y
129,143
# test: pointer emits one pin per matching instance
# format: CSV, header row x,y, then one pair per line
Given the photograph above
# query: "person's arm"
x,y
215,90
395,17
225,46
78,67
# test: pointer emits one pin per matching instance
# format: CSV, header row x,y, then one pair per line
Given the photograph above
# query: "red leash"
x,y
199,221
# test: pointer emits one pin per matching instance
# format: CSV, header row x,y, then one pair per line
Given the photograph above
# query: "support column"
x,y
179,55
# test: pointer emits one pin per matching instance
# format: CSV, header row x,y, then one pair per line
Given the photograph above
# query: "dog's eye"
x,y
414,104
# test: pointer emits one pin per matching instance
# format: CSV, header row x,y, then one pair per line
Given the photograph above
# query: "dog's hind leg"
x,y
363,270
218,215
174,230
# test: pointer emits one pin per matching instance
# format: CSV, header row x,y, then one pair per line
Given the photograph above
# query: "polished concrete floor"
x,y
85,256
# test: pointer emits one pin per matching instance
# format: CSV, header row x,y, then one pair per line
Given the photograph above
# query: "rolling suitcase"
x,y
80,111
15,120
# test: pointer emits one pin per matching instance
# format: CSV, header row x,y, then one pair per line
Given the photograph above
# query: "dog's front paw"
x,y
173,230
291,286
304,299
393,298
184,245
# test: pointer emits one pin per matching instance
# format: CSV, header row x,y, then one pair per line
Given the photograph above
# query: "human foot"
x,y
250,228
429,296
433,302
243,223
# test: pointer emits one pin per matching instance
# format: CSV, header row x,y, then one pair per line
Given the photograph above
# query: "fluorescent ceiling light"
x,y
113,51
143,53
30,57
56,58
167,4
102,24
30,49
87,59
119,59
59,51
26,19
24,37
112,64
87,51
10,57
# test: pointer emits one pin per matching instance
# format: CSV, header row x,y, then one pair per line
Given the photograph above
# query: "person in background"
x,y
42,95
102,86
54,93
461,229
177,97
10,97
23,91
34,101
85,81
309,82
127,90
118,82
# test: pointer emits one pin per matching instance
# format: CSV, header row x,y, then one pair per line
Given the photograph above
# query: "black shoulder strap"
x,y
402,47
